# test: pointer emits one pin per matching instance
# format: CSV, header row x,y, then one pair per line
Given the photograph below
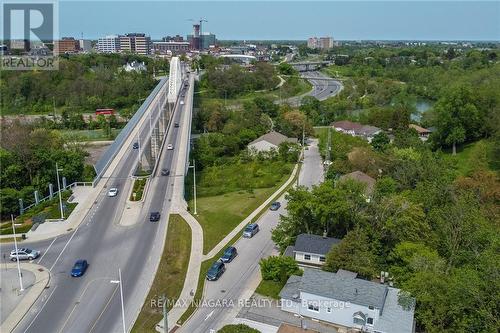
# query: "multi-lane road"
x,y
223,297
323,87
92,303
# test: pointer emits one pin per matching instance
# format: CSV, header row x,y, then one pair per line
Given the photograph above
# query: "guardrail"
x,y
105,160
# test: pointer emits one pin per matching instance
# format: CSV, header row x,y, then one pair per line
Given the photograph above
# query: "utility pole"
x,y
60,194
165,314
119,281
17,254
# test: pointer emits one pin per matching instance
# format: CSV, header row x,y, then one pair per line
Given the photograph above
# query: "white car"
x,y
24,254
182,102
112,192
170,146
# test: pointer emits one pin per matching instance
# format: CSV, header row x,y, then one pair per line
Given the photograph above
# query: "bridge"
x,y
243,57
307,66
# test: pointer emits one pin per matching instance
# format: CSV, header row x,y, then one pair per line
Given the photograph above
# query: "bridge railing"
x,y
105,160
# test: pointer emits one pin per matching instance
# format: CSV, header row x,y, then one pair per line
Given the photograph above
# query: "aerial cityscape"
x,y
249,166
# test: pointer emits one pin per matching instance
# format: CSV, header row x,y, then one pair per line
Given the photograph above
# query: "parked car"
x,y
170,146
229,254
24,254
135,145
176,124
182,102
79,268
275,205
112,192
218,268
251,230
165,172
154,217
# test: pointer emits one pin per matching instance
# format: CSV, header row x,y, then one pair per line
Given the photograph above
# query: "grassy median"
x,y
170,275
138,189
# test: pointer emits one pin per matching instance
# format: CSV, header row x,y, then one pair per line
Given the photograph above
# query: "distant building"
x,y
137,43
269,141
423,133
66,45
323,43
135,66
203,41
176,38
171,46
362,178
108,44
85,45
347,302
19,44
356,129
311,250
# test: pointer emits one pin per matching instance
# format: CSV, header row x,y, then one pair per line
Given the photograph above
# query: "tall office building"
x,y
108,44
85,45
135,43
203,42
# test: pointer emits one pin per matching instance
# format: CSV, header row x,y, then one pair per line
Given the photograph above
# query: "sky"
x,y
286,20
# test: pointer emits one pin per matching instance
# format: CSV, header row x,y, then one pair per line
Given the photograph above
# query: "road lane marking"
x,y
46,251
41,309
209,315
103,310
64,248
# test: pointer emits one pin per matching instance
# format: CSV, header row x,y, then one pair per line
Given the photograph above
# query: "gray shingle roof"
x,y
314,244
342,287
274,137
394,317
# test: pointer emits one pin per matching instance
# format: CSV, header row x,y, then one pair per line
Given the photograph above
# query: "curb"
x,y
33,294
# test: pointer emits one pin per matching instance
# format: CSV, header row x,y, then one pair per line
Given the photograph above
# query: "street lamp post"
x,y
17,254
60,194
121,297
194,185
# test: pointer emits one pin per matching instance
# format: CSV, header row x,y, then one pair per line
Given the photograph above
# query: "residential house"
x,y
363,178
269,141
135,66
343,300
356,129
423,133
311,250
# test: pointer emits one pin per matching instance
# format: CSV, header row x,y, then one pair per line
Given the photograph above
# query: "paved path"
x,y
15,304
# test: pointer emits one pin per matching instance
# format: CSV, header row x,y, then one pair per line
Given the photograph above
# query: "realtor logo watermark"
x,y
29,30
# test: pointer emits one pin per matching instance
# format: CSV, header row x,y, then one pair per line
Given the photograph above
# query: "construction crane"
x,y
200,22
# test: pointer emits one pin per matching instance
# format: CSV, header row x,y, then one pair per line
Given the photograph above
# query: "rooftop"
x,y
314,244
274,137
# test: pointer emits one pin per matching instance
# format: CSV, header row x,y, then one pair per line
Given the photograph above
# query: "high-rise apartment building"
x,y
323,43
135,43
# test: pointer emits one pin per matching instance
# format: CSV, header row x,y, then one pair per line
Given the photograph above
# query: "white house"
x,y
311,250
269,141
135,66
347,302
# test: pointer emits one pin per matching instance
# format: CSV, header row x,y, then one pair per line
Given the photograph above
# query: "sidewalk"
x,y
36,282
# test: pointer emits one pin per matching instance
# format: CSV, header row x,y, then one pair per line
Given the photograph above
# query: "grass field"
x,y
219,215
170,275
474,156
138,189
269,288
290,88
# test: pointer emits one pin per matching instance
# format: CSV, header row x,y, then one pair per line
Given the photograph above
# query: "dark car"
x,y
154,217
176,124
229,255
79,268
216,271
251,230
275,206
135,145
165,172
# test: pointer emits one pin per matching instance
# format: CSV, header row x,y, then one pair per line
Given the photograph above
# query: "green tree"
x,y
279,268
380,141
457,117
353,253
